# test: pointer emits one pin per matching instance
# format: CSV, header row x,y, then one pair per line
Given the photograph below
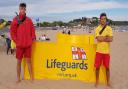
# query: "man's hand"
x,y
34,39
104,38
109,39
100,38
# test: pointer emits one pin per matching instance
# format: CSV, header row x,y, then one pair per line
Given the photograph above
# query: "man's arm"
x,y
100,38
33,31
13,30
109,39
104,38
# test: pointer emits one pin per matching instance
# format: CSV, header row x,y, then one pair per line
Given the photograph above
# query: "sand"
x,y
119,68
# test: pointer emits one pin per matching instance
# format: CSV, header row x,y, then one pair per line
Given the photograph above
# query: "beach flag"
x,y
2,23
37,20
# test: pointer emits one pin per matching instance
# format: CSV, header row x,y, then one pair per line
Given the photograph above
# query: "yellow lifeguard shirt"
x,y
103,47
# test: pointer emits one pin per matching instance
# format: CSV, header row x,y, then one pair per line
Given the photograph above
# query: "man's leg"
x,y
28,60
108,76
19,56
18,70
11,51
97,64
97,77
106,64
30,68
7,50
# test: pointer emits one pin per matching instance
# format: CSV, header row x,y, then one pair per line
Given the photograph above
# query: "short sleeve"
x,y
96,32
110,32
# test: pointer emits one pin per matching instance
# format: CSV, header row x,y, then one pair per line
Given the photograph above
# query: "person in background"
x,y
7,44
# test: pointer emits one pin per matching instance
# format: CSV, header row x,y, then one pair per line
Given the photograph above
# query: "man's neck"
x,y
103,25
22,16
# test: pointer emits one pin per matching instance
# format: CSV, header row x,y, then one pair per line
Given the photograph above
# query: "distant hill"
x,y
94,21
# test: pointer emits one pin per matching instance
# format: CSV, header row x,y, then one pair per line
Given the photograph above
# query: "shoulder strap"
x,y
102,30
20,21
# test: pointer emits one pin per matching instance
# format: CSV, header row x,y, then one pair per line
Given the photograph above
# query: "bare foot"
x,y
109,85
18,81
96,85
31,79
22,78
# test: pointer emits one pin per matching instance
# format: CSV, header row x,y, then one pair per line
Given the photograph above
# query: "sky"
x,y
66,10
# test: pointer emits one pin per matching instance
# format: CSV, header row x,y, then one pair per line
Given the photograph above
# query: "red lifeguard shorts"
x,y
102,58
23,52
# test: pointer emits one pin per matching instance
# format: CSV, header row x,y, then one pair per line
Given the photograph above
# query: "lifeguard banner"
x,y
71,57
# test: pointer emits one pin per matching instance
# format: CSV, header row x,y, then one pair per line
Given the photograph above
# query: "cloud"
x,y
64,6
46,7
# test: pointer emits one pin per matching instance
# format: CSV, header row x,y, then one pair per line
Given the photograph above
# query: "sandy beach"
x,y
119,67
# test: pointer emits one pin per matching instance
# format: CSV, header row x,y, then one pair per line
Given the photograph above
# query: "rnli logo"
x,y
78,53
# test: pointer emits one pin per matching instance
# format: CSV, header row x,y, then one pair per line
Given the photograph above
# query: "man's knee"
x,y
97,69
28,60
18,61
107,69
